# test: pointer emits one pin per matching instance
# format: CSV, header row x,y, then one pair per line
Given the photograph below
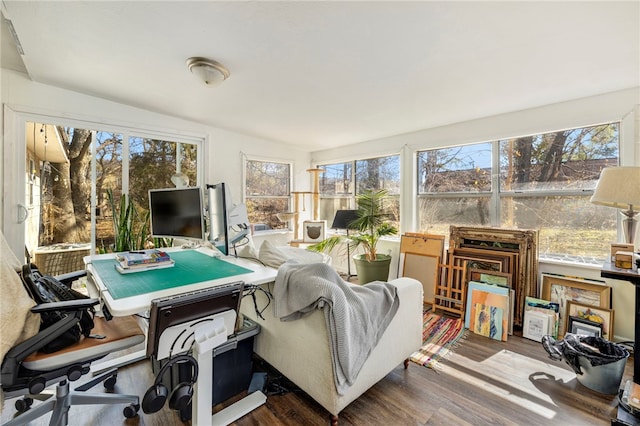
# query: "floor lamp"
x,y
343,220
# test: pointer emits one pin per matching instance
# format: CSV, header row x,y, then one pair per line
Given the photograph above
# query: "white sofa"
x,y
300,349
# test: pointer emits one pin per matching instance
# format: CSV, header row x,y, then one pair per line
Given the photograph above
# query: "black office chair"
x,y
27,371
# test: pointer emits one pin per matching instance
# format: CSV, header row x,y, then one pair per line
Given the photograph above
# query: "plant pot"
x,y
378,270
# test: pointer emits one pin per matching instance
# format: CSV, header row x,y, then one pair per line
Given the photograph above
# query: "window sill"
x,y
571,261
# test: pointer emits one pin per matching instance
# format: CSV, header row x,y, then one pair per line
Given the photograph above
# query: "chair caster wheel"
x,y
23,404
110,383
130,411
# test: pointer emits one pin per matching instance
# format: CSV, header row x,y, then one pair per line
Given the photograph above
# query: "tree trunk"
x,y
71,189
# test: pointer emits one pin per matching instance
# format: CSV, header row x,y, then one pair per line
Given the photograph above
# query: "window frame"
x,y
351,199
497,194
251,158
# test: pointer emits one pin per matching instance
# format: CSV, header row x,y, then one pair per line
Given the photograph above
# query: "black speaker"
x,y
180,397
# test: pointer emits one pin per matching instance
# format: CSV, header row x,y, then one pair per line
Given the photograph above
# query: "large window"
x,y
341,182
70,164
267,193
541,182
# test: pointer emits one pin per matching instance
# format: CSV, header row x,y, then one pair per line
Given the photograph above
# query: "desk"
x,y
120,303
631,275
140,303
125,306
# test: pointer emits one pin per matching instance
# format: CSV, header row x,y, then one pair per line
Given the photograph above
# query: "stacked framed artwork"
x,y
582,302
488,310
512,252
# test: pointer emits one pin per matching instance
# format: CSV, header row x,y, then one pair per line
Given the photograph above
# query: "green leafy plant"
x,y
370,225
130,229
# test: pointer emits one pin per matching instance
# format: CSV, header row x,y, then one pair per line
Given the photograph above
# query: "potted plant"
x,y
370,225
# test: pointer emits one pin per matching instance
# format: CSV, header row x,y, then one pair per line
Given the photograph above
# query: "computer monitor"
x,y
176,213
173,319
218,217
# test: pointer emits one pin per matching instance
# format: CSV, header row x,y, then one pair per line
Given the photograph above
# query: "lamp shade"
x,y
618,187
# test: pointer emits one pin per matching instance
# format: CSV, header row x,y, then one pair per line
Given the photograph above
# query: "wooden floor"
x,y
484,382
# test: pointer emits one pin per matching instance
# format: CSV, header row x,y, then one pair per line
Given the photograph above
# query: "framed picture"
x,y
591,314
423,268
584,327
560,289
502,279
522,243
313,231
420,255
488,295
535,325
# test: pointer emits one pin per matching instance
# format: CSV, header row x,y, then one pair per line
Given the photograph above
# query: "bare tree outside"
x,y
268,192
541,182
65,187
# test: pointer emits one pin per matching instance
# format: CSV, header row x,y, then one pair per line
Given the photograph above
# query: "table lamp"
x,y
619,187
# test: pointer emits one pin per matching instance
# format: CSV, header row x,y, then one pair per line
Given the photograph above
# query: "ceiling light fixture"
x,y
209,71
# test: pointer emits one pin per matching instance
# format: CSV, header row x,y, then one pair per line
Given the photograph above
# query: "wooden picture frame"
x,y
589,313
420,255
535,325
583,327
521,242
502,279
560,289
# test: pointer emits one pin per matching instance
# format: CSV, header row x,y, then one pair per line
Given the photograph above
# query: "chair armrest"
x,y
69,277
66,305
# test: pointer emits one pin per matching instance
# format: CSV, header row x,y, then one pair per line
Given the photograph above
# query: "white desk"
x,y
141,303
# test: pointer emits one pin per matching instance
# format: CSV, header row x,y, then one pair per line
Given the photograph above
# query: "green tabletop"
x,y
190,267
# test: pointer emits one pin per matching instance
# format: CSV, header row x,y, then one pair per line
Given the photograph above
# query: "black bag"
x,y
43,289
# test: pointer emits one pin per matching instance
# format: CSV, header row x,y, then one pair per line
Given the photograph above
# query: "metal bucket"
x,y
602,378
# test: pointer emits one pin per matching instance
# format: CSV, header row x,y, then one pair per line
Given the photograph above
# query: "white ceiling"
x,y
325,74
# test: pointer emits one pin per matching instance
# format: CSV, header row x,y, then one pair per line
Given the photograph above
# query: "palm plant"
x,y
370,225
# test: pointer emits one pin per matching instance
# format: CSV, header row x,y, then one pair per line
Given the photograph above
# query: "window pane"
x,y
378,173
435,215
329,206
108,176
567,225
460,169
267,193
570,159
262,212
265,178
336,180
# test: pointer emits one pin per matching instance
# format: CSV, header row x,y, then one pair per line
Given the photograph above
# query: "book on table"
x,y
143,259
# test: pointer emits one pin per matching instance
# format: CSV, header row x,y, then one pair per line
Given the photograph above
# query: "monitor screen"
x,y
176,213
218,217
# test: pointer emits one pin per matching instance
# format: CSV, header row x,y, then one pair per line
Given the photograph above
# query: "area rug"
x,y
440,335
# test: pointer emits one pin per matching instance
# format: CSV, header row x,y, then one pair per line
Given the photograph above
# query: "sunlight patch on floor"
x,y
514,377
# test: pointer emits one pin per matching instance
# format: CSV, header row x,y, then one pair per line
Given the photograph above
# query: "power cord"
x,y
250,290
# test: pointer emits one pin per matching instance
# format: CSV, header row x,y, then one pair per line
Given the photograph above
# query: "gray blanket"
x,y
356,315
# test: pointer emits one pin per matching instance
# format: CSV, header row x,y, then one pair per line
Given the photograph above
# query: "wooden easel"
x,y
450,292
